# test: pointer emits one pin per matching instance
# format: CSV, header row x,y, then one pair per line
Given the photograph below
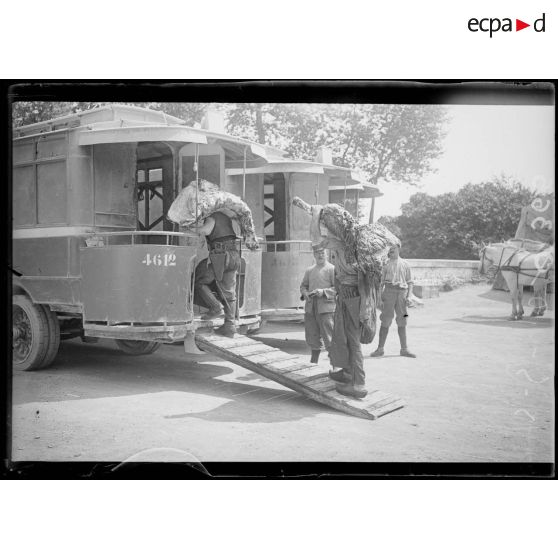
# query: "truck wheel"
x,y
32,340
53,338
137,347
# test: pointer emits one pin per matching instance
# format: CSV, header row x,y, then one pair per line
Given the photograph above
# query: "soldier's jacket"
x,y
320,278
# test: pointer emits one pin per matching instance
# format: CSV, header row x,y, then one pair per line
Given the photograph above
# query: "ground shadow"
x,y
102,371
526,323
504,296
262,406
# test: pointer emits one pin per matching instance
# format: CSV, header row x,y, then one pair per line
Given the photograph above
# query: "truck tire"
x,y
54,337
136,348
34,339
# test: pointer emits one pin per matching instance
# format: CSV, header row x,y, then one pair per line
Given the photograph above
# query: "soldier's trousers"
x,y
318,329
205,275
345,351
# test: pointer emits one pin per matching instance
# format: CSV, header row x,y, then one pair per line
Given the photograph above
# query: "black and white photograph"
x,y
257,242
334,280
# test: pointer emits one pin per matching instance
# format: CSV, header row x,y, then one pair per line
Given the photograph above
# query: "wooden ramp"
x,y
296,373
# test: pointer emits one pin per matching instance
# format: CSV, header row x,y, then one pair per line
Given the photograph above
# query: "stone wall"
x,y
435,272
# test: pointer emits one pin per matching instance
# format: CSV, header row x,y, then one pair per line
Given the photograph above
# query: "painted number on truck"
x,y
158,259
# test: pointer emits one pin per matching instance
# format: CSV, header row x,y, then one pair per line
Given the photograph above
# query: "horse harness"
x,y
517,268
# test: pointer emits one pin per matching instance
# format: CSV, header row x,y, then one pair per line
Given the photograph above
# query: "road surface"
x,y
481,390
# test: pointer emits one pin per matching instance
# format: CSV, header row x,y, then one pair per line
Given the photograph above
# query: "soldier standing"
x,y
397,286
345,351
318,290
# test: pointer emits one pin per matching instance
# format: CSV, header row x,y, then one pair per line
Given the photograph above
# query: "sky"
x,y
482,142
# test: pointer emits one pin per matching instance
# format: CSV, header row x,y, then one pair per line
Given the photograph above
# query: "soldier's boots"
x,y
381,342
315,356
358,392
212,315
403,339
227,329
341,376
210,301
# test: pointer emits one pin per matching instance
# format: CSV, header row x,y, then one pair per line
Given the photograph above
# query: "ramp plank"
x,y
321,384
388,400
251,350
399,404
230,343
269,356
296,373
288,366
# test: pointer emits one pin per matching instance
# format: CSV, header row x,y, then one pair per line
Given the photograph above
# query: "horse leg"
x,y
513,294
512,286
520,311
540,300
536,309
542,307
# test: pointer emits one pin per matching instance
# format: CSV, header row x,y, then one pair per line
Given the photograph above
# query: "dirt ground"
x,y
481,390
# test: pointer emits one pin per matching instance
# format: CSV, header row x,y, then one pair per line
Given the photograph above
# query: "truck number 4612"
x,y
158,259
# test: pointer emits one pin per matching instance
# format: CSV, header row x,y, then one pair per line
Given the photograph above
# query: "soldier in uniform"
x,y
397,287
221,267
350,311
318,290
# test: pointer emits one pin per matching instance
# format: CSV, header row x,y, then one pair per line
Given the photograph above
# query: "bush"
x,y
451,225
451,282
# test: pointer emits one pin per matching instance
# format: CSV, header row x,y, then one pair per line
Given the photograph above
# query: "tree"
x,y
390,142
390,223
449,225
30,112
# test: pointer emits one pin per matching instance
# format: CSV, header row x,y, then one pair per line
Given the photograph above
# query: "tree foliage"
x,y
449,225
30,112
390,142
390,223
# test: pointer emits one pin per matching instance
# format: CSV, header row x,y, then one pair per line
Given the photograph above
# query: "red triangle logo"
x,y
519,25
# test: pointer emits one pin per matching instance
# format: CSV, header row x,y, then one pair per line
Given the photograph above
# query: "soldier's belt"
x,y
224,245
347,291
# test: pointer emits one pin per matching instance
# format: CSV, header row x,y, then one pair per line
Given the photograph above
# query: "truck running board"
x,y
296,373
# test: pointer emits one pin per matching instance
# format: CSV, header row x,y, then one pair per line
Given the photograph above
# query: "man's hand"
x,y
316,292
409,298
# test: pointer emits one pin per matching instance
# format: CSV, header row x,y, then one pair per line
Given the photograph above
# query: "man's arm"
x,y
408,280
330,292
305,285
206,228
331,243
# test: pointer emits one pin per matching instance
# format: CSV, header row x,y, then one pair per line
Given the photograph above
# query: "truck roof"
x,y
106,117
105,113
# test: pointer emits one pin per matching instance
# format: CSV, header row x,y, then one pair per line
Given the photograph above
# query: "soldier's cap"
x,y
317,247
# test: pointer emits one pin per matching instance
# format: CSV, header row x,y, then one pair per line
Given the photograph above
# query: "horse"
x,y
521,267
